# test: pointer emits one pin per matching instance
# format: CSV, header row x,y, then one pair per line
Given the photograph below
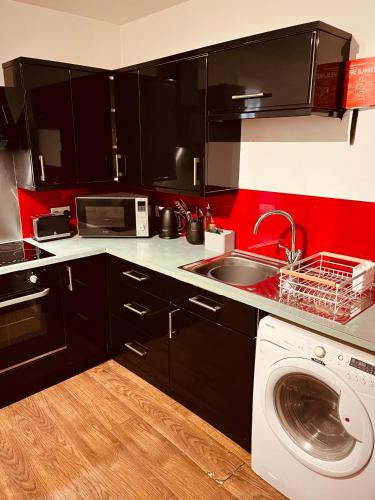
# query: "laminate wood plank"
x,y
107,434
215,434
245,484
175,469
60,463
18,476
209,455
109,453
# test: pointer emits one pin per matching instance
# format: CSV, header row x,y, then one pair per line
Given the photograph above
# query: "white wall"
x,y
30,31
307,155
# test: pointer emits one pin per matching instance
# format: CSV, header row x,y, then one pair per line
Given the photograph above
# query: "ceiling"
x,y
113,11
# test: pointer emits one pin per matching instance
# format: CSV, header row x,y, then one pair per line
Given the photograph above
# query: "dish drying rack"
x,y
330,285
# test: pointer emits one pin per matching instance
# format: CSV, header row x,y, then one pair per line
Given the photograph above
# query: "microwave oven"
x,y
119,215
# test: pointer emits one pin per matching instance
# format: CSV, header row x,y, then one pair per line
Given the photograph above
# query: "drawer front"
x,y
271,73
142,353
124,273
142,309
215,307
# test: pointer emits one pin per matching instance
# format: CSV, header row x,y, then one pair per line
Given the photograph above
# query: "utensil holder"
x,y
194,232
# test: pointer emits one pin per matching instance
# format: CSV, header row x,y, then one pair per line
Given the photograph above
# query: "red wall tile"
x,y
335,225
341,226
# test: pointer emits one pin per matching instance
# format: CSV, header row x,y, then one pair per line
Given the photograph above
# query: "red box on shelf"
x,y
360,83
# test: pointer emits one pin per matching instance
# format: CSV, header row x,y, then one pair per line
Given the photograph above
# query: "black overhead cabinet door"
x,y
173,131
92,125
261,75
50,125
126,128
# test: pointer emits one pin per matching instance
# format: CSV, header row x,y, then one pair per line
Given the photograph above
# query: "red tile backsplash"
x,y
335,225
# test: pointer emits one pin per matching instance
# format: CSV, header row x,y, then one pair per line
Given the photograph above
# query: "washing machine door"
x,y
318,417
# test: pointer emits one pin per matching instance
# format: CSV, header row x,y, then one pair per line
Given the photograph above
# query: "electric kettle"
x,y
171,223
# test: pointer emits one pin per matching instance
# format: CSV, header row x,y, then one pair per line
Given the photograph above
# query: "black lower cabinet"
x,y
211,372
200,351
145,354
86,312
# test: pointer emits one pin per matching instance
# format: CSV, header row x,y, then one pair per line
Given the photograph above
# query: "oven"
x,y
119,215
31,318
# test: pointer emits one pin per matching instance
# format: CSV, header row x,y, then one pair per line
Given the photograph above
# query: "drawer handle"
x,y
171,330
130,346
140,312
140,278
250,96
197,302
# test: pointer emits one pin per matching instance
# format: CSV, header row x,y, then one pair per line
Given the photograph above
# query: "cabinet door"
x,y
211,370
92,125
50,124
173,132
262,75
126,128
86,310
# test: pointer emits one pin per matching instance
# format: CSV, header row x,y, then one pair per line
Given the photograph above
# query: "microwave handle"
x,y
25,298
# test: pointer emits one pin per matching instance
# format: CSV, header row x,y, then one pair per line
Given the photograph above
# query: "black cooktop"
x,y
15,252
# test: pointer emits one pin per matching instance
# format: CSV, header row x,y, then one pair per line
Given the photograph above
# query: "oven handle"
x,y
25,298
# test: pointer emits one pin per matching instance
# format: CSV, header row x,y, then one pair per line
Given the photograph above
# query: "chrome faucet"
x,y
291,254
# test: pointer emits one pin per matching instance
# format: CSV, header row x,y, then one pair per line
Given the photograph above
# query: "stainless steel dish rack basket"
x,y
330,285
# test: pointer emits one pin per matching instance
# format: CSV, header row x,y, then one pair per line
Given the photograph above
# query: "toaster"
x,y
51,227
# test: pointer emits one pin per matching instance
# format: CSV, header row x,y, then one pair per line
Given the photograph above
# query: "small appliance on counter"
x,y
171,223
118,215
49,227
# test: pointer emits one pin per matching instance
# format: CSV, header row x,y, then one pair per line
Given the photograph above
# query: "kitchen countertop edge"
x,y
166,257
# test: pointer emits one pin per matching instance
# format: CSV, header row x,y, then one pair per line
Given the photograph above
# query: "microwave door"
x,y
109,217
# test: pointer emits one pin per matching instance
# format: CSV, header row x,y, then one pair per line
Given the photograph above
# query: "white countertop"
x,y
165,256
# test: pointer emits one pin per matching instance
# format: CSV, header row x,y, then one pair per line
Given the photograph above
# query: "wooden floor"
x,y
108,434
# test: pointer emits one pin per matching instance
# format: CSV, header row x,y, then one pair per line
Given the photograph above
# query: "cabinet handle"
x,y
70,282
129,345
171,331
141,278
250,96
42,172
195,171
197,302
5,115
140,312
117,172
117,168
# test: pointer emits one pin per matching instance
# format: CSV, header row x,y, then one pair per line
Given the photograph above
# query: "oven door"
x,y
31,326
110,217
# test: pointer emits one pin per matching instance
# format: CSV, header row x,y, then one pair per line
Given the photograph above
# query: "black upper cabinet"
x,y
125,128
179,151
92,125
173,126
45,155
282,76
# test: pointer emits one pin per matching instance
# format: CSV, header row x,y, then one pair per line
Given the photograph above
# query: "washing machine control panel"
x,y
351,364
357,372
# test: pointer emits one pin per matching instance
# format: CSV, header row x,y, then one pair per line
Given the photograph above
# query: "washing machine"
x,y
313,414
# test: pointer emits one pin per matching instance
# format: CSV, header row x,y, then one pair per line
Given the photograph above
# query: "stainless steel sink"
x,y
236,268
